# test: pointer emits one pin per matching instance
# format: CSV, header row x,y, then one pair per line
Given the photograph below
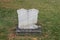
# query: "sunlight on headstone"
x,y
33,15
22,17
27,18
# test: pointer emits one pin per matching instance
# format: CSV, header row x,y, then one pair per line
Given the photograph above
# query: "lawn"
x,y
49,18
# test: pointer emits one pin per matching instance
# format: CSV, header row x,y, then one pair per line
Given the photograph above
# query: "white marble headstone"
x,y
27,18
33,16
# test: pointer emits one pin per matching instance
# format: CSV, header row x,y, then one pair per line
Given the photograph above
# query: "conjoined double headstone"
x,y
27,18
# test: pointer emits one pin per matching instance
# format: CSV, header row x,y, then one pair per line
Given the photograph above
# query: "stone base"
x,y
27,31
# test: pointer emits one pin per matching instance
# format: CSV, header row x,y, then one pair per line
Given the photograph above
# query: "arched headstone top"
x,y
21,11
34,10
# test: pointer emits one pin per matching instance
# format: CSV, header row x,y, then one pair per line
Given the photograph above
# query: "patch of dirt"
x,y
34,38
11,6
7,4
5,0
1,34
26,37
12,36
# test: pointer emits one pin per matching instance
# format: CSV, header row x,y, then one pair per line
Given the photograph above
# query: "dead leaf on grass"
x,y
11,36
34,38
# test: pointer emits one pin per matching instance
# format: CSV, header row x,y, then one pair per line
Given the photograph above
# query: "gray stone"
x,y
27,20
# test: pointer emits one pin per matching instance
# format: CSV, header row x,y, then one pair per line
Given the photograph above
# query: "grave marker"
x,y
27,20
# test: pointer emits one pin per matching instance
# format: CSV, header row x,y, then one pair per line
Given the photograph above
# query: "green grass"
x,y
49,17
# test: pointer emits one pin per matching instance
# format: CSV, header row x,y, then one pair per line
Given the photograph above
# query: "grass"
x,y
49,18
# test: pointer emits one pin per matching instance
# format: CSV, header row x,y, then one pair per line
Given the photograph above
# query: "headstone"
x,y
27,20
22,18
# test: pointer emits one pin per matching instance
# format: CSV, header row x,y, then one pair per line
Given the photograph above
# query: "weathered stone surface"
x,y
27,18
38,30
